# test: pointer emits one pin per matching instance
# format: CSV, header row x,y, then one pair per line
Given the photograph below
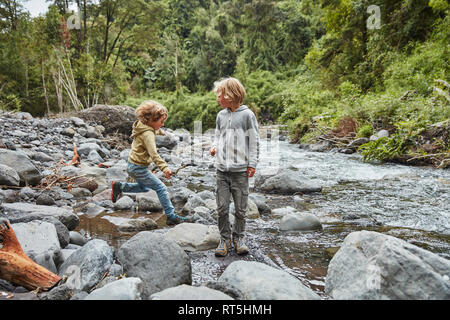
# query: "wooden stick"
x,y
17,268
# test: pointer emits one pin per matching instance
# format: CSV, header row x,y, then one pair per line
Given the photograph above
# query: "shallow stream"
x,y
410,203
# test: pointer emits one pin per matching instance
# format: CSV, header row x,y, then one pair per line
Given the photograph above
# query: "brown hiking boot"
x,y
223,247
239,245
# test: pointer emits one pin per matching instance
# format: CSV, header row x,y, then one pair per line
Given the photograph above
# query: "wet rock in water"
x,y
133,225
89,263
195,236
287,182
183,292
281,212
157,260
122,289
251,278
300,221
373,266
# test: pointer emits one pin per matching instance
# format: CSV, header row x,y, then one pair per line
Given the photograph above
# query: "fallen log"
x,y
17,268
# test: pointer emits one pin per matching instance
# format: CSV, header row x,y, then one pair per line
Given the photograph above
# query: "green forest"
x,y
317,67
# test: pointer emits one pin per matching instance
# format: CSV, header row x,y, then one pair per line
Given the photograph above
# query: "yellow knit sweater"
x,y
143,149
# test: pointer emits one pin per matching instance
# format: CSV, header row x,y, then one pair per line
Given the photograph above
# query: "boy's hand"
x,y
213,151
250,172
168,173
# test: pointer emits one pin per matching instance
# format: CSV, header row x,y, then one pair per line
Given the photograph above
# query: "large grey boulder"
x,y
88,264
21,163
115,119
186,292
8,176
373,266
24,212
195,236
36,237
157,260
258,281
286,182
123,289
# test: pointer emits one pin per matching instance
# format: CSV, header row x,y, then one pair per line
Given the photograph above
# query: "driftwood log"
x,y
17,267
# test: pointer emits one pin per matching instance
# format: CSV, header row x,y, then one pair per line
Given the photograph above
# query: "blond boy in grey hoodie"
x,y
236,147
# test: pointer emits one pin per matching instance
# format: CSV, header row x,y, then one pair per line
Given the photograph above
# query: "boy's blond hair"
x,y
151,110
232,89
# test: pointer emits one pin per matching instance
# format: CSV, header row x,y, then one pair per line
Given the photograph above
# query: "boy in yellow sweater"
x,y
151,117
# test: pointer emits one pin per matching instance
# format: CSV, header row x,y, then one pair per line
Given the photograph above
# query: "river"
x,y
411,203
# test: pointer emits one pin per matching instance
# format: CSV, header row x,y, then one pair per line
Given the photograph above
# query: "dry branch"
x,y
17,268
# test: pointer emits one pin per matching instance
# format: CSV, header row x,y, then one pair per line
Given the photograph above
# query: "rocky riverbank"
x,y
45,195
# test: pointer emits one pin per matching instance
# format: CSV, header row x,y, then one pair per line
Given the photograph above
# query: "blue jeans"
x,y
146,181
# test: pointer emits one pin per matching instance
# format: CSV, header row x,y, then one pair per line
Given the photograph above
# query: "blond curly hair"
x,y
151,110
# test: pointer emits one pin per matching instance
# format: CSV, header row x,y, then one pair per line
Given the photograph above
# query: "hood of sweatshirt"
x,y
139,128
241,108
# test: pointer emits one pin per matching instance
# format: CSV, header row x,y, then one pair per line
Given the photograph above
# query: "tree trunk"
x,y
45,88
17,268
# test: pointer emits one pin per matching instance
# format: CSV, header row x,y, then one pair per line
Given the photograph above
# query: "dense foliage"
x,y
307,64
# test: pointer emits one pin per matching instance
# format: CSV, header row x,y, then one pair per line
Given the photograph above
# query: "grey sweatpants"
x,y
233,184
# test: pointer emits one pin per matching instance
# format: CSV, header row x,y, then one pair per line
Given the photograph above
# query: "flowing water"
x,y
411,203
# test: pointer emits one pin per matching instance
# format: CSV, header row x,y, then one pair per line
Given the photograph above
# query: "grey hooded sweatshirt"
x,y
236,140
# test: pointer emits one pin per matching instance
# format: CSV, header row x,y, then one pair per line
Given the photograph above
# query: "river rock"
x,y
8,176
379,134
300,221
148,201
115,119
134,225
195,236
88,264
21,163
122,289
287,182
169,140
37,237
76,238
261,202
193,202
157,260
183,292
252,278
19,212
373,266
124,203
281,212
